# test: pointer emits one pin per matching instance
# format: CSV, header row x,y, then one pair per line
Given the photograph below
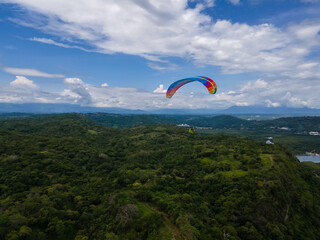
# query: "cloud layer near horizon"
x,y
259,92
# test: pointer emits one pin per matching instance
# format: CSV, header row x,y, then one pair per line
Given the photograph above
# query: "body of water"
x,y
315,159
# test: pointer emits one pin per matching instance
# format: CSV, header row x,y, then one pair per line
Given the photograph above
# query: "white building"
x,y
183,125
269,142
314,133
284,128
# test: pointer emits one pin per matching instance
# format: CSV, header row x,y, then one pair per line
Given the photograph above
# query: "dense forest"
x,y
294,124
69,177
292,132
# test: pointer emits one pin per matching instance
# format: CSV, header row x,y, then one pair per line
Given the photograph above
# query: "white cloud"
x,y
52,42
210,3
206,3
79,89
70,94
258,92
310,1
276,93
160,89
235,2
23,82
169,28
258,84
104,85
31,72
295,101
241,104
162,65
131,98
272,104
75,81
21,95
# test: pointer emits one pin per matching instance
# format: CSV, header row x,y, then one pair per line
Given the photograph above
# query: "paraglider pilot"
x,y
191,130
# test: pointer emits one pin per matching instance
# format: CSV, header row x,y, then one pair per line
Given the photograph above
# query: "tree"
x,y
126,214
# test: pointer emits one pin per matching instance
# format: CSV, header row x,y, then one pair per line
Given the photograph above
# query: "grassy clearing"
x,y
231,162
207,161
169,231
298,144
267,160
93,132
234,174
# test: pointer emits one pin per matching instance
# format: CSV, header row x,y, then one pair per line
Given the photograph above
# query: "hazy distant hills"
x,y
59,108
235,110
295,124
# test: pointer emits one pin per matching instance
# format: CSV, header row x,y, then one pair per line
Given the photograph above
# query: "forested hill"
x,y
65,177
294,124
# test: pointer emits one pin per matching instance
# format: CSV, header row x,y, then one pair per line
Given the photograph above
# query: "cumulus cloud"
x,y
25,95
23,90
31,72
258,92
275,93
23,82
258,84
272,104
170,28
160,89
80,90
295,101
100,96
74,81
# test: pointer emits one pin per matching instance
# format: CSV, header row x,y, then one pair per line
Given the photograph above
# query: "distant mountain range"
x,y
60,108
235,110
249,110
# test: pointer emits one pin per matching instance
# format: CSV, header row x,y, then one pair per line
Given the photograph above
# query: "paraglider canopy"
x,y
207,82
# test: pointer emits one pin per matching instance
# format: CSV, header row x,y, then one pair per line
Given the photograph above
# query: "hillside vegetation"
x,y
292,132
294,124
66,177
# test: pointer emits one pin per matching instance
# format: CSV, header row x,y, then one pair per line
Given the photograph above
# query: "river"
x,y
315,159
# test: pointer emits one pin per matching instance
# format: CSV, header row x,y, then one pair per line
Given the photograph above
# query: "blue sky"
x,y
111,53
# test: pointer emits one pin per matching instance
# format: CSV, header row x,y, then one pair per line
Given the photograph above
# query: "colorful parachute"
x,y
207,82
